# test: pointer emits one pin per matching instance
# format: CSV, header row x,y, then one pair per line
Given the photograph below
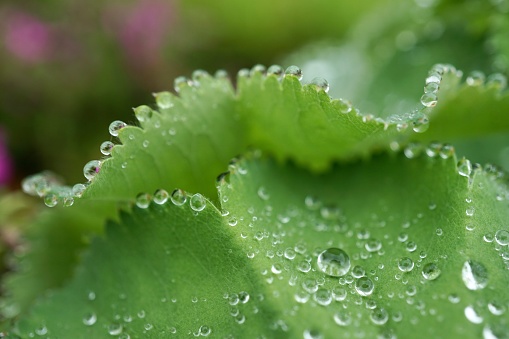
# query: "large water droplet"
x,y
198,202
334,262
431,271
405,264
116,126
474,275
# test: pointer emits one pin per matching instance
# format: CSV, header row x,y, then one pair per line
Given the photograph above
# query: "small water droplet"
x,y
312,334
323,296
431,271
497,80
502,237
446,151
178,197
89,319
464,167
474,275
379,316
294,71
334,262
342,318
51,200
421,124
496,308
411,246
197,202
429,99
91,169
143,200
321,84
472,315
180,83
115,329
161,196
358,272
476,78
275,70
263,194
116,126
364,286
143,113
373,245
405,264
205,331
106,147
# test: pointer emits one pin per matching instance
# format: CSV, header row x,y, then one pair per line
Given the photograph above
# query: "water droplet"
x,y
301,296
232,221
364,286
431,271
411,246
339,293
51,200
475,78
373,245
143,200
433,149
413,150
180,83
342,318
178,197
304,266
143,113
433,78
421,124
294,71
91,169
379,316
290,254
89,319
116,126
115,329
198,202
464,167
312,334
431,87
106,147
323,296
321,84
263,194
439,231
405,264
496,308
502,237
43,330
474,275
275,70
429,99
446,151
472,315
497,80
310,285
161,196
358,272
334,262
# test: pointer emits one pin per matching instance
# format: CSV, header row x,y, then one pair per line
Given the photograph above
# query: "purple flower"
x,y
5,161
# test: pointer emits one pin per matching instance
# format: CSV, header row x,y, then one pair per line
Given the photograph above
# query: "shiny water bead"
x,y
474,275
343,105
91,169
342,318
431,271
276,70
205,331
143,200
321,84
161,196
433,149
312,334
258,69
421,124
90,319
262,193
164,100
358,271
405,264
106,147
294,71
475,78
373,245
464,167
334,262
379,316
413,150
51,200
178,197
429,99
304,266
323,296
339,293
221,74
43,330
143,112
497,80
116,126
180,83
502,237
77,190
472,315
433,77
496,308
364,286
197,202
199,74
68,201
243,73
431,87
446,151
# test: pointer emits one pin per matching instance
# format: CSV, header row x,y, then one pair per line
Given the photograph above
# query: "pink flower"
x,y
5,161
27,37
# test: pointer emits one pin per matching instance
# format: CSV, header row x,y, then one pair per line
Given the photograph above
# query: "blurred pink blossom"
x,y
5,161
27,37
142,29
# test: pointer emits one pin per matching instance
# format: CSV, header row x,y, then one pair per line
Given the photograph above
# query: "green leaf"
x,y
276,221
